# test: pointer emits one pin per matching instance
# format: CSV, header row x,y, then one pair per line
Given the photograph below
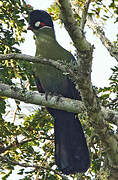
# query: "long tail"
x,y
71,152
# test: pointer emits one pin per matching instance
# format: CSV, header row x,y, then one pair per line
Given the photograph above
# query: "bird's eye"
x,y
37,24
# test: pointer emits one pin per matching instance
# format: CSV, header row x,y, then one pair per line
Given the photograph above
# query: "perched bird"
x,y
71,152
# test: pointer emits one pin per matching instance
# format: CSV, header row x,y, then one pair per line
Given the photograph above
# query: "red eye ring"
x,y
43,24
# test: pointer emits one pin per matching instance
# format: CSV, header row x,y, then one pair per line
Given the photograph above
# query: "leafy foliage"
x,y
109,95
13,16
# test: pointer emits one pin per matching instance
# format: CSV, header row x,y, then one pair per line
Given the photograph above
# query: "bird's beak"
x,y
30,28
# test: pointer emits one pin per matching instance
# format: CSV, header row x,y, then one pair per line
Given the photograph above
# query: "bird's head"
x,y
39,19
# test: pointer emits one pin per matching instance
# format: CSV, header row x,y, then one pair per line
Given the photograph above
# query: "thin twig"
x,y
16,144
98,30
28,165
3,149
57,64
84,14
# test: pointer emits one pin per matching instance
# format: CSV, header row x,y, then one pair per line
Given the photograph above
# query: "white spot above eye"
x,y
37,24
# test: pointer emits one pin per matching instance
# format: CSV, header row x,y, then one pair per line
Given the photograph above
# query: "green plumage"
x,y
52,80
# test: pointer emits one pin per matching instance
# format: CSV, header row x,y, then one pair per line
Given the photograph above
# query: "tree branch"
x,y
17,144
110,116
33,59
113,50
28,165
98,30
72,27
84,55
95,114
57,64
3,149
84,14
66,104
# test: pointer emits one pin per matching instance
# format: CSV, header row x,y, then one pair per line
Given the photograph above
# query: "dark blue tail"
x,y
71,152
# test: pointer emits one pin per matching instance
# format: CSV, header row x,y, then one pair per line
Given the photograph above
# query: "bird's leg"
x,y
47,94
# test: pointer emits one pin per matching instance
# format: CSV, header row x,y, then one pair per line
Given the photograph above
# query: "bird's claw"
x,y
52,94
58,97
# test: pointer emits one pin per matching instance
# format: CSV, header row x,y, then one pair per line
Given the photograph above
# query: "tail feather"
x,y
71,152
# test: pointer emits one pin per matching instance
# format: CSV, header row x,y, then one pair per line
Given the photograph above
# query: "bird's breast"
x,y
52,80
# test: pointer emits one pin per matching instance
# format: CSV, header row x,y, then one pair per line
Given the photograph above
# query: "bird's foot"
x,y
58,96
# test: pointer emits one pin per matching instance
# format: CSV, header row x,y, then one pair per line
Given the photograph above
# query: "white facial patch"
x,y
37,24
